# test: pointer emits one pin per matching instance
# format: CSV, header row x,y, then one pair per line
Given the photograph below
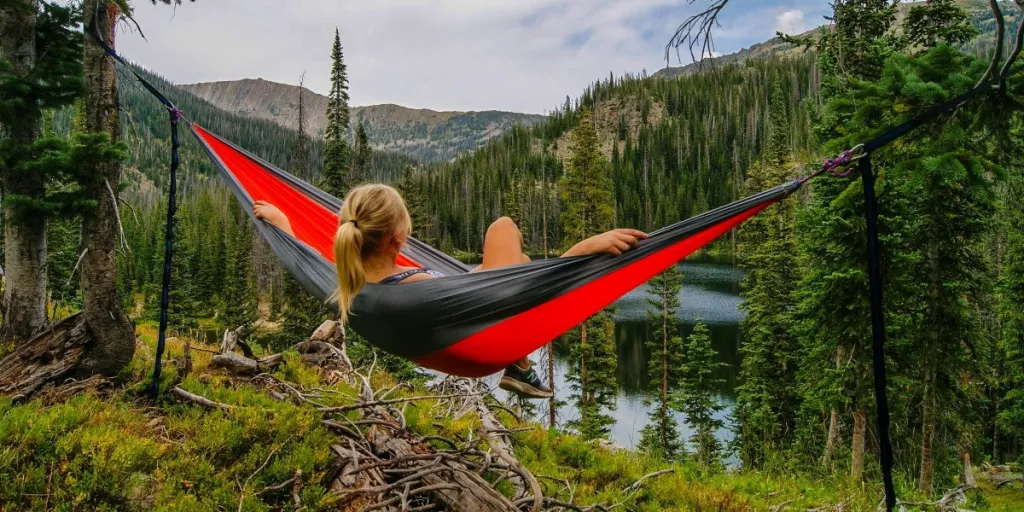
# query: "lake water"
x,y
711,293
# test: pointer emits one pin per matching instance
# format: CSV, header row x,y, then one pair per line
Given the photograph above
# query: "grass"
x,y
119,450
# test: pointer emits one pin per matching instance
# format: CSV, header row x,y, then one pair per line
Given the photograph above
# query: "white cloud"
x,y
523,55
791,22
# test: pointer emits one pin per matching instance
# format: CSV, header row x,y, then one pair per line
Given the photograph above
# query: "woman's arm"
x,y
614,242
270,213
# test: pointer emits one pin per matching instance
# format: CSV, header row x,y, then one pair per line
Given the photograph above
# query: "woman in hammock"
x,y
374,226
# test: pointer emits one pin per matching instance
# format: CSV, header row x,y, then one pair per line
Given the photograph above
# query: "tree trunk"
x,y
859,433
664,369
833,438
552,405
927,476
113,333
24,303
968,475
583,363
833,425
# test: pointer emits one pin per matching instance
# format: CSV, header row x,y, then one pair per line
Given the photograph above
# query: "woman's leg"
x,y
503,245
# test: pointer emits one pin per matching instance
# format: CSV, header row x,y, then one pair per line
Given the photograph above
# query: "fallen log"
x,y
50,357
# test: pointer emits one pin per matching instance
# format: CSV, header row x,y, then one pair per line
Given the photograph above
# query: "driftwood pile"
x,y
383,466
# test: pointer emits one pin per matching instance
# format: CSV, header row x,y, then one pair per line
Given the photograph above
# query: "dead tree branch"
x,y
696,32
1017,47
199,400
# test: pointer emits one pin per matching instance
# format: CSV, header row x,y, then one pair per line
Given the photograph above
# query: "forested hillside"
x,y
676,146
421,133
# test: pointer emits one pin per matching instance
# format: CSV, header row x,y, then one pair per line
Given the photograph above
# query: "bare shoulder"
x,y
423,276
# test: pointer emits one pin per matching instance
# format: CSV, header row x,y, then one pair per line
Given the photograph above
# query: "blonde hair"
x,y
371,215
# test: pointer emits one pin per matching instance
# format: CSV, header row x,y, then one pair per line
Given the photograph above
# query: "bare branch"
x,y
75,269
117,216
375,403
199,400
241,499
696,33
640,483
997,12
1018,45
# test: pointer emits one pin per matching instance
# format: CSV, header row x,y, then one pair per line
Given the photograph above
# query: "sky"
x,y
514,55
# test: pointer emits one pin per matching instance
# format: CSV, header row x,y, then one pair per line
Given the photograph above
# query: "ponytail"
x,y
348,259
370,215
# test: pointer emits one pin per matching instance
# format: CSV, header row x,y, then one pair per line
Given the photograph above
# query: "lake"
x,y
711,293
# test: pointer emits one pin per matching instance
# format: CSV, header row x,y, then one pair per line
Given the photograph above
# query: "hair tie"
x,y
354,222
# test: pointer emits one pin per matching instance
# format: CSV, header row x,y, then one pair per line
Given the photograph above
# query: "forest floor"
x,y
113,448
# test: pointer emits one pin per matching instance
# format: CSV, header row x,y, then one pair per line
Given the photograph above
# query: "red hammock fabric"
x,y
311,221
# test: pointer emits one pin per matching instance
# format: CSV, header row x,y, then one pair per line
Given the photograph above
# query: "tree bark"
x,y
583,363
113,332
860,424
927,476
24,303
833,438
552,405
833,425
664,369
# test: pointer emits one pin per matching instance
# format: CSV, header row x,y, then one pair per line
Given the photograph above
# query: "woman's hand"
x,y
270,213
614,242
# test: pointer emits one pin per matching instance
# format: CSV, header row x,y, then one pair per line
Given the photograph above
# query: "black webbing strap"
x,y
878,329
165,290
175,116
933,113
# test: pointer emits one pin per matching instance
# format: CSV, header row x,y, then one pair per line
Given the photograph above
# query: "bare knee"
x,y
503,225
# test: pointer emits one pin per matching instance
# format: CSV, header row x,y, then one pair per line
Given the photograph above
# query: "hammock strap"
x,y
165,290
878,330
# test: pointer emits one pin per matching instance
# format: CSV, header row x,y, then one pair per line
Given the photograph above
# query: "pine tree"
x,y
949,176
361,161
666,349
937,21
336,150
422,224
766,401
184,295
588,207
1010,406
300,156
697,396
515,198
240,297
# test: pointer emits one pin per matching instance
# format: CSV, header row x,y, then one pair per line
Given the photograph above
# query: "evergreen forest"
x,y
267,402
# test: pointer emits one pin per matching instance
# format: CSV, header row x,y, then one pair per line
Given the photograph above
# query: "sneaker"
x,y
524,383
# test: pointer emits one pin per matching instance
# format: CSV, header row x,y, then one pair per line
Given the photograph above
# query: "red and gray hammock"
x,y
470,324
477,323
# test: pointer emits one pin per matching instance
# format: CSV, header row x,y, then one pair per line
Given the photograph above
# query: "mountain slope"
x,y
421,133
